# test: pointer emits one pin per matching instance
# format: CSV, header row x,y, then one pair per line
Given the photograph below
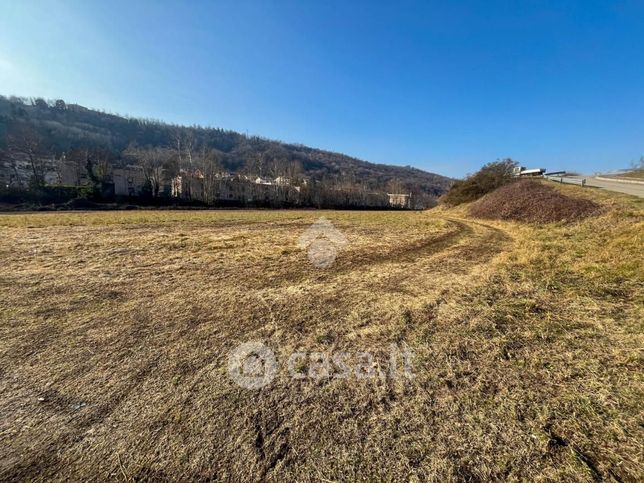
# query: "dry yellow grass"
x,y
527,343
637,173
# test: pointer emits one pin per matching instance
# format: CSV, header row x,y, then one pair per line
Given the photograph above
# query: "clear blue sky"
x,y
444,86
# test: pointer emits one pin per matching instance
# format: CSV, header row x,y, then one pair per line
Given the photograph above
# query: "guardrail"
x,y
566,180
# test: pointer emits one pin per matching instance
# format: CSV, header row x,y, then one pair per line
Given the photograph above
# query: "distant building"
x,y
16,169
128,181
187,184
399,200
260,180
72,173
282,181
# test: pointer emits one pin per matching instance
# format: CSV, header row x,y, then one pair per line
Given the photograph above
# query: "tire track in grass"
x,y
406,253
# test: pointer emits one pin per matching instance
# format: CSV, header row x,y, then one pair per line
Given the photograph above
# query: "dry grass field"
x,y
115,331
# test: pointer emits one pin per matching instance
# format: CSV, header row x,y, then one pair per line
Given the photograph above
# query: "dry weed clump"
x,y
533,202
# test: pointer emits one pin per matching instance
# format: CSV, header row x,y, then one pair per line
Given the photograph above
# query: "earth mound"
x,y
533,202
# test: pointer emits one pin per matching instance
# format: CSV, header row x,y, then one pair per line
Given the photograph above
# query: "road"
x,y
628,188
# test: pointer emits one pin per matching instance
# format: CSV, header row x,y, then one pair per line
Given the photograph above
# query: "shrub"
x,y
44,195
487,179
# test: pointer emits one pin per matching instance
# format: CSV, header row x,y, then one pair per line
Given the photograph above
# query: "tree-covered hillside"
x,y
54,128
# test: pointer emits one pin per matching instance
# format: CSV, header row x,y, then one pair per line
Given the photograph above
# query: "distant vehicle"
x,y
522,171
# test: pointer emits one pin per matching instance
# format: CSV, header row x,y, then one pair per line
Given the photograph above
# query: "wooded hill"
x,y
63,128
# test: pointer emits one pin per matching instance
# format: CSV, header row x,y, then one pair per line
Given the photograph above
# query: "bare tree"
x,y
395,186
210,163
15,177
24,140
152,161
184,144
293,169
253,165
638,165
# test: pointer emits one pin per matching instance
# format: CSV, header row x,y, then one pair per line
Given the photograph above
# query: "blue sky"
x,y
443,86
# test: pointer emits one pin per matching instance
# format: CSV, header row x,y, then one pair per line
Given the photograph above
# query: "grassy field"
x,y
116,327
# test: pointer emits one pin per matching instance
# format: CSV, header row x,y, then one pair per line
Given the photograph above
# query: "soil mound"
x,y
532,202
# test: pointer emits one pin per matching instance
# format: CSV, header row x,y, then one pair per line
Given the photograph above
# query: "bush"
x,y
487,179
45,195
